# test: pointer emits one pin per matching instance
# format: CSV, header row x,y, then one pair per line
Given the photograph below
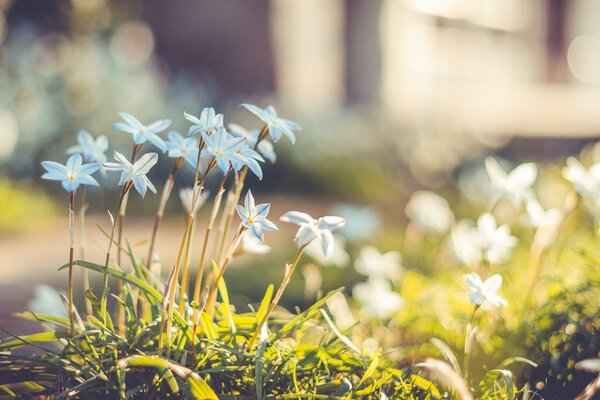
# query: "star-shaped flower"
x,y
142,133
265,148
91,149
515,185
208,122
314,229
277,126
135,172
484,291
186,148
339,257
73,174
585,181
223,147
254,217
250,159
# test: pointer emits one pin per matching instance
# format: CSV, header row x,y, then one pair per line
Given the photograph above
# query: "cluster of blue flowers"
x,y
230,151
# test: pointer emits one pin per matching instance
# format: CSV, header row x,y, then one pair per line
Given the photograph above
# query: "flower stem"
x,y
468,343
71,251
209,227
286,280
164,198
86,278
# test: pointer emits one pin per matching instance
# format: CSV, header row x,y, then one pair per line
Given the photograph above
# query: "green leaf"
x,y
200,389
225,297
498,384
339,334
41,337
264,304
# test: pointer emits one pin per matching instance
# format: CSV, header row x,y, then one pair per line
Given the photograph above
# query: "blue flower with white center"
x,y
250,159
142,133
277,126
91,149
314,229
254,218
184,147
265,148
73,174
136,172
224,148
208,122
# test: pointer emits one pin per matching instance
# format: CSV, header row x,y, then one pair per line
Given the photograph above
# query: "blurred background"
x,y
393,96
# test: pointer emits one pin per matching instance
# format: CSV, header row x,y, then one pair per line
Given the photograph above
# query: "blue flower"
x,y
142,133
135,172
224,148
186,148
249,158
254,217
265,148
277,126
208,122
314,229
91,150
73,174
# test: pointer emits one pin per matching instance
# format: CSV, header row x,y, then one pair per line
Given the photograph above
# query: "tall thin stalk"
x,y
85,278
71,251
289,271
209,227
164,198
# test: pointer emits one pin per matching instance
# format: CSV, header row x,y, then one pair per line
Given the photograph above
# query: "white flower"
x,y
254,217
429,212
547,222
91,149
338,258
486,241
318,229
277,126
252,245
135,172
373,264
208,122
142,133
377,298
517,184
585,181
72,174
484,291
186,195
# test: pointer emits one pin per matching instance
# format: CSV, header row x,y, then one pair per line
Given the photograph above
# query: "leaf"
x,y
498,384
447,353
207,325
200,389
41,337
264,304
339,334
372,367
160,364
225,297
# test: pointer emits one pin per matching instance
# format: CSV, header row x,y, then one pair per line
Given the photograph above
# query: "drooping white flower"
x,y
373,264
46,300
265,148
310,229
486,241
135,172
338,258
585,181
482,291
377,298
516,184
223,147
429,212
